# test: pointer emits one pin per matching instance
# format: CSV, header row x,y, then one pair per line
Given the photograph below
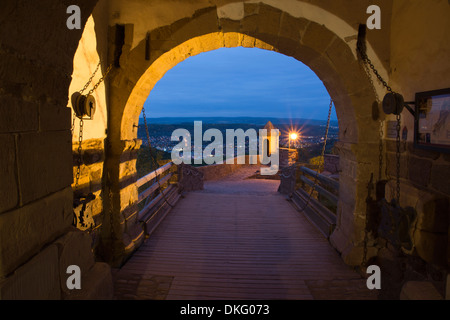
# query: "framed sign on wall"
x,y
432,123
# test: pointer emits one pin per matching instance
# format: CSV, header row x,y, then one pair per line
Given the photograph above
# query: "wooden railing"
x,y
156,200
326,187
317,196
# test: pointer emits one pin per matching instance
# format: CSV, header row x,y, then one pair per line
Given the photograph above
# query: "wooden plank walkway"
x,y
237,239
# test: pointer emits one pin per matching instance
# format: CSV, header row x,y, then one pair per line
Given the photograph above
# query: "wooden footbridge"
x,y
238,238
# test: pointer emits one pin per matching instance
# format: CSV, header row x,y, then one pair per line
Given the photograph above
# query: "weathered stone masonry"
x,y
36,236
39,70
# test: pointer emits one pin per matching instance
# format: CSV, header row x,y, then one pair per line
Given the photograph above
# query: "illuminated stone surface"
x,y
41,67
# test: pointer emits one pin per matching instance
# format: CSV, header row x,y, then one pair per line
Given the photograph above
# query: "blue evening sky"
x,y
238,82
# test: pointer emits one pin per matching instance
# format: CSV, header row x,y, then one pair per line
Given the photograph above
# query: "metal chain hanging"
x,y
91,78
398,127
380,158
154,160
361,49
100,80
381,132
74,117
84,199
80,137
322,156
380,152
81,92
369,66
80,154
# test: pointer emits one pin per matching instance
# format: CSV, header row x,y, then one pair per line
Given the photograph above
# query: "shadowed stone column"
x,y
122,233
288,181
36,238
357,164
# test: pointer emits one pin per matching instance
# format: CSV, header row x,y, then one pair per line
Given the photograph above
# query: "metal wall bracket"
x,y
411,110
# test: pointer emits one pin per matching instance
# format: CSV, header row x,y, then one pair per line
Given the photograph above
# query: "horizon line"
x,y
252,117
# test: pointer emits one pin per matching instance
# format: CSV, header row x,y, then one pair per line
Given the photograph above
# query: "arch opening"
x,y
328,56
145,59
193,47
238,88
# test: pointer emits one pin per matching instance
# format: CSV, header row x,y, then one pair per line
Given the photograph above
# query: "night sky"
x,y
239,82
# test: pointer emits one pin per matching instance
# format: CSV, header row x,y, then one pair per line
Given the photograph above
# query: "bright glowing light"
x,y
293,136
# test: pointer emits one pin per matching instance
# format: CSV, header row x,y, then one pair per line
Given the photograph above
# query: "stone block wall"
x,y
325,44
90,52
44,277
36,54
424,186
423,168
121,232
90,181
133,233
331,164
36,64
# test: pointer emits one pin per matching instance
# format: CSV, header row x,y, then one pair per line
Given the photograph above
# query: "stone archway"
x,y
259,25
37,62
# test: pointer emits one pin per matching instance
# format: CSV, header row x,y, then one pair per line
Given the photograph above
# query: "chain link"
x,y
100,80
326,133
79,161
381,133
368,64
80,154
398,158
322,156
80,137
380,152
369,75
155,162
91,78
74,117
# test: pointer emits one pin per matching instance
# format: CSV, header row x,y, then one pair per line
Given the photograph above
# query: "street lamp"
x,y
292,136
